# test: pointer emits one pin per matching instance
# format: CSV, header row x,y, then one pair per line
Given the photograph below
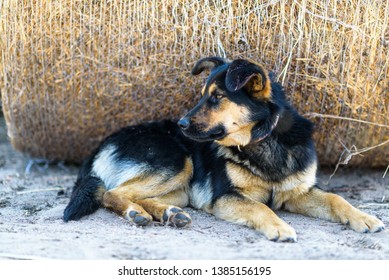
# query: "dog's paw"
x,y
365,223
177,217
279,232
138,218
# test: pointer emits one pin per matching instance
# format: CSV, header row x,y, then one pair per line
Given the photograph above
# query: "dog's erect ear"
x,y
207,63
253,77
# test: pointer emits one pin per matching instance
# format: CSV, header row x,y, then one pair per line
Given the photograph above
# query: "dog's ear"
x,y
253,77
207,63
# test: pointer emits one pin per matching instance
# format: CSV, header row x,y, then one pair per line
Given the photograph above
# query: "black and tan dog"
x,y
240,152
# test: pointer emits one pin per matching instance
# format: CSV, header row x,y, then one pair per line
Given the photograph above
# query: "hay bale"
x,y
75,71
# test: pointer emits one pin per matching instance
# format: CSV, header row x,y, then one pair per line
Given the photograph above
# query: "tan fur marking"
x,y
241,137
124,206
157,206
203,90
294,185
248,184
235,120
256,86
319,204
266,92
156,184
258,89
121,198
143,187
211,89
229,113
252,186
120,204
181,180
254,214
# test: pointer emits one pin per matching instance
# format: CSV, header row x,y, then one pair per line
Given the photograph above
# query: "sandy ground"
x,y
31,206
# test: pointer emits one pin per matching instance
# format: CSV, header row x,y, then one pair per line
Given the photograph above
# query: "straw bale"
x,y
75,71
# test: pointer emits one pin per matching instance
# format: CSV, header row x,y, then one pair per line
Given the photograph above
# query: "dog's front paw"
x,y
279,232
138,218
176,217
362,222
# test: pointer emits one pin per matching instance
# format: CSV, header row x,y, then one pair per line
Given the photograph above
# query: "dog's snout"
x,y
184,123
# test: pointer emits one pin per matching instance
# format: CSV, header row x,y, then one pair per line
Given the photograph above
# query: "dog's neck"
x,y
272,127
262,156
282,122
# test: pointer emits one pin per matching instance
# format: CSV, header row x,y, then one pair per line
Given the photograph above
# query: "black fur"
x,y
83,200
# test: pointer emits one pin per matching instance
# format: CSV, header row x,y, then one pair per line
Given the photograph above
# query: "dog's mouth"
x,y
216,133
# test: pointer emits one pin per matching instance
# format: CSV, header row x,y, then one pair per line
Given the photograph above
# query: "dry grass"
x,y
74,71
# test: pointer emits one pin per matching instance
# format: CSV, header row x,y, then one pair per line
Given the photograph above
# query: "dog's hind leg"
x,y
244,211
123,206
167,208
159,195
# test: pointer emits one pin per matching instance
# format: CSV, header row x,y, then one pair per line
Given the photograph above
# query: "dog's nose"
x,y
183,123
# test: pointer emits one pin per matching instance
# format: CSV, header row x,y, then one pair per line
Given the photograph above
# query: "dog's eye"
x,y
218,95
215,97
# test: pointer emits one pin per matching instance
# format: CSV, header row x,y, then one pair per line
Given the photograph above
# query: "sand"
x,y
33,197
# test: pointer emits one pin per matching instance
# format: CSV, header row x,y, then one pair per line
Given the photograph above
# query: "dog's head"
x,y
235,108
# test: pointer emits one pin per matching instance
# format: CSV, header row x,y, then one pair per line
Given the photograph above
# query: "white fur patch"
x,y
200,195
112,172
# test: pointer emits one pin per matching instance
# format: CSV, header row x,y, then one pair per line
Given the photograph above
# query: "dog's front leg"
x,y
317,203
244,211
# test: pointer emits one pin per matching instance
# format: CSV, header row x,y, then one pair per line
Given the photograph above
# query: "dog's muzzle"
x,y
198,134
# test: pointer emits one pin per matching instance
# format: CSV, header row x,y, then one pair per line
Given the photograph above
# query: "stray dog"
x,y
240,152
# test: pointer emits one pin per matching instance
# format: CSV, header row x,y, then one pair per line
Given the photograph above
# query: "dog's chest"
x,y
231,177
248,184
201,193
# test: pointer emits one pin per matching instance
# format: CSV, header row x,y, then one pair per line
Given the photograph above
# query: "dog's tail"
x,y
86,198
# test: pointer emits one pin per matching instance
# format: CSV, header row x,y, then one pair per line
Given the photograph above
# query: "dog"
x,y
240,153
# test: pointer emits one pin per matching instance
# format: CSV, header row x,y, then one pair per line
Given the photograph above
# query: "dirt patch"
x,y
31,226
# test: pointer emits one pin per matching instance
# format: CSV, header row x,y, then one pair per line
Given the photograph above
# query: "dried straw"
x,y
75,71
